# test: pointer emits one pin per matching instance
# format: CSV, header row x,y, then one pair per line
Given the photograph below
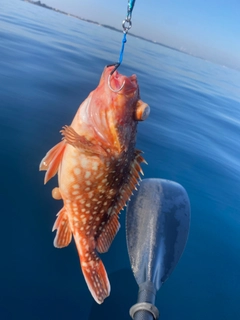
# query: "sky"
x,y
206,28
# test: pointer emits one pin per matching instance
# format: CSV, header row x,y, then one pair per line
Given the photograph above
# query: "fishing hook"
x,y
114,90
116,65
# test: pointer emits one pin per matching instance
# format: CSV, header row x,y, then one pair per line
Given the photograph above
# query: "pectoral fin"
x,y
77,141
52,160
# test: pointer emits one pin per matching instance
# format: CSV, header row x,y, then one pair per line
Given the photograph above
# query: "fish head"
x,y
114,109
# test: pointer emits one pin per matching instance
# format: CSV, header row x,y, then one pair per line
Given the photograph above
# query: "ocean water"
x,y
49,63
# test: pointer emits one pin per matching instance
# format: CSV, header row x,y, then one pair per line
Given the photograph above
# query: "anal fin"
x,y
107,234
64,234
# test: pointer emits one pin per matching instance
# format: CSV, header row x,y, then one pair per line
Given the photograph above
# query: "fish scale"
x,y
98,168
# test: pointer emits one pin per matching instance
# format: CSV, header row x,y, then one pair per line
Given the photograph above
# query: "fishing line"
x,y
126,26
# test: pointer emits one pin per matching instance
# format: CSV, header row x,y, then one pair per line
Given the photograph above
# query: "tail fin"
x,y
95,275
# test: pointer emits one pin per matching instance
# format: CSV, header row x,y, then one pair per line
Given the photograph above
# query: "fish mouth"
x,y
119,83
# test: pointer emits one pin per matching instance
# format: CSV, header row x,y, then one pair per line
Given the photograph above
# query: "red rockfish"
x,y
98,167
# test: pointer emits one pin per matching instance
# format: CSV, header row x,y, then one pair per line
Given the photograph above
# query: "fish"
x,y
98,168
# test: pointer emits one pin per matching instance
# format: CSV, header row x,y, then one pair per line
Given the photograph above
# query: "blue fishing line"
x,y
126,25
124,40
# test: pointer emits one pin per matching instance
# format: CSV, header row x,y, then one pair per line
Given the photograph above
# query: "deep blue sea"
x,y
49,63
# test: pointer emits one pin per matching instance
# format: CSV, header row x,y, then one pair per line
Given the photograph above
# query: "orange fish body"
x,y
98,168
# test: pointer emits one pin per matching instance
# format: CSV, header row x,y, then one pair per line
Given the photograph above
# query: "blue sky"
x,y
206,28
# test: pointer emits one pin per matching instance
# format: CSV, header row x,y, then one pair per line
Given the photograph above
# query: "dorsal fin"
x,y
109,231
64,234
52,160
108,234
132,181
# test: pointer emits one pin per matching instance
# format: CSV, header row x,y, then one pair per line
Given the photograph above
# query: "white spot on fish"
x,y
76,186
84,162
77,171
87,189
95,165
87,174
75,192
88,183
99,175
90,194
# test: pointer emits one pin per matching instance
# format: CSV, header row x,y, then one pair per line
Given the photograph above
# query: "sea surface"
x,y
49,62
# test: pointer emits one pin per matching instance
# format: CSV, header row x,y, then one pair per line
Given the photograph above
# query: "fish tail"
x,y
96,276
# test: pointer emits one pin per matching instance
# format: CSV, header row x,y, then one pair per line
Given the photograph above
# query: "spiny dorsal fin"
x,y
132,181
52,160
64,234
107,235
